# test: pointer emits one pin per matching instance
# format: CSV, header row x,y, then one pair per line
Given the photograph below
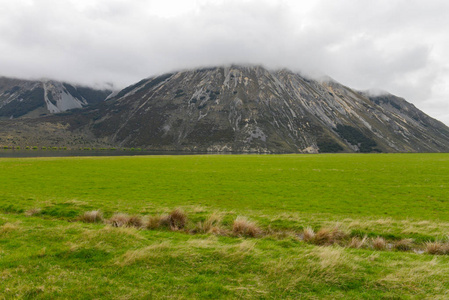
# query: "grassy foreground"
x,y
395,196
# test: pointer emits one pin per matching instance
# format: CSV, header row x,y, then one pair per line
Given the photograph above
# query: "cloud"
x,y
398,45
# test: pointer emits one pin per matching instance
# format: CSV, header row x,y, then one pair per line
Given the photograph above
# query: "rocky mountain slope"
x,y
25,98
252,109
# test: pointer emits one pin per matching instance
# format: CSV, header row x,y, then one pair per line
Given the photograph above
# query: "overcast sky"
x,y
400,46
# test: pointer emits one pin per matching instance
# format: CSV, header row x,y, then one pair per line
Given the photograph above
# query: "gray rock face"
x,y
251,109
24,98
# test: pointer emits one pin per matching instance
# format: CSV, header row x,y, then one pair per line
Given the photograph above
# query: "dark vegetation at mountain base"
x,y
357,138
329,147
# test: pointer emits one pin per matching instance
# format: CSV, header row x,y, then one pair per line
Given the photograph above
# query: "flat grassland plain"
x,y
46,251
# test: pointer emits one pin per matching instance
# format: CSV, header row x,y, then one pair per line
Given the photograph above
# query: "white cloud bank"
x,y
400,46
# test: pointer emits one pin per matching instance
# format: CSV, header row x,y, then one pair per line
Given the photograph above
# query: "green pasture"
x,y
52,255
401,186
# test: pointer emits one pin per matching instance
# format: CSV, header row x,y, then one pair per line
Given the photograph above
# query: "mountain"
x,y
247,109
26,98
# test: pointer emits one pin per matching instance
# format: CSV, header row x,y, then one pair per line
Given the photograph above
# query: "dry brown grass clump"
x,y
135,221
244,227
329,236
177,219
404,245
379,243
93,216
153,222
119,220
357,243
124,220
438,248
164,221
308,235
33,212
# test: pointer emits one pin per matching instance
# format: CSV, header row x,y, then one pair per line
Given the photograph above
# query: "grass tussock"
x,y
94,216
124,220
33,212
119,220
437,248
211,225
358,243
379,243
153,222
135,221
329,236
177,219
404,245
308,235
164,221
244,227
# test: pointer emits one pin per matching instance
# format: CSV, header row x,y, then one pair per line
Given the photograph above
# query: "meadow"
x,y
47,251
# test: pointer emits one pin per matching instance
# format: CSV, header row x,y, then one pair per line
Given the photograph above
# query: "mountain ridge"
x,y
252,109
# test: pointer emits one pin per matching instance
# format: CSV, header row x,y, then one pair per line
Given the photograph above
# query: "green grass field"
x,y
53,255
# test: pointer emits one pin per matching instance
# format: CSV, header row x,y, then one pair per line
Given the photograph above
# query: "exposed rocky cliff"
x,y
251,109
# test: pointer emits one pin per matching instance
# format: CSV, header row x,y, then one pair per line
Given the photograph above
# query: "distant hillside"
x,y
24,98
247,109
